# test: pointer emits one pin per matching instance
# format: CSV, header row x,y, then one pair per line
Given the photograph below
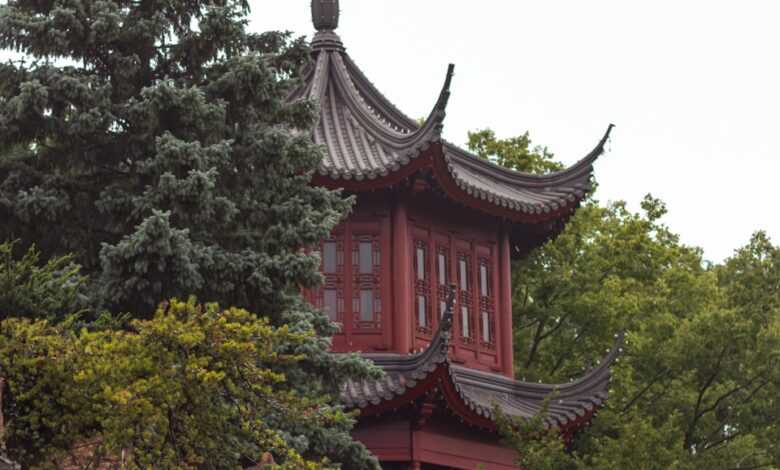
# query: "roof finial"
x,y
325,14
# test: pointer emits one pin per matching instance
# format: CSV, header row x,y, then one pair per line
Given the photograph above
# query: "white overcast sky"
x,y
693,87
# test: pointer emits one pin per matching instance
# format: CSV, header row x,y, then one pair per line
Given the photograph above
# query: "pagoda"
x,y
418,276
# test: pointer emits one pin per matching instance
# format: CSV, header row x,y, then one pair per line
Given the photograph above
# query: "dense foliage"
x,y
193,387
154,142
538,445
514,152
698,384
32,289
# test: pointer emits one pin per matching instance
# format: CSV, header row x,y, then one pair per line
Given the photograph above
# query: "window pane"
x,y
483,280
330,299
366,263
420,264
485,327
329,257
464,282
366,305
464,321
421,317
442,270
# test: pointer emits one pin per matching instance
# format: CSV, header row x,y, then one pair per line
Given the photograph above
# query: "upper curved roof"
x,y
364,138
368,139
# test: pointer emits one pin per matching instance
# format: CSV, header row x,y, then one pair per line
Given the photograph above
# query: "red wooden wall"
x,y
420,243
439,442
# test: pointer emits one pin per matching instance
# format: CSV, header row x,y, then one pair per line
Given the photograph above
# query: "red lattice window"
x,y
486,306
366,292
465,299
442,278
422,288
330,296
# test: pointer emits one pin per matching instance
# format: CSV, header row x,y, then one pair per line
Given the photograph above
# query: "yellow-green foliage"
x,y
195,386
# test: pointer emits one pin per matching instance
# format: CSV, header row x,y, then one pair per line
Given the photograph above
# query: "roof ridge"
x,y
593,376
509,175
373,139
430,131
570,406
367,87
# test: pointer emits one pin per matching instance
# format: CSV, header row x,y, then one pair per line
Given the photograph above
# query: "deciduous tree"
x,y
697,384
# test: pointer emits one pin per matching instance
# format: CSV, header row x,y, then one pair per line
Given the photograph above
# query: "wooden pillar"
x,y
415,465
402,330
505,323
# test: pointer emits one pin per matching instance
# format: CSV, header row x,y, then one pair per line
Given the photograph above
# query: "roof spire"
x,y
325,14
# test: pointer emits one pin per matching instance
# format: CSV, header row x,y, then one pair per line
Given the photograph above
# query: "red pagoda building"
x,y
430,215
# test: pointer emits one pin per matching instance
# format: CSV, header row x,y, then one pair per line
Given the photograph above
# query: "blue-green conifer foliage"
x,y
154,141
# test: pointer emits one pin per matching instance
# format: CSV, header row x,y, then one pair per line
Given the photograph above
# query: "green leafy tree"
x,y
193,387
701,374
155,142
539,446
514,152
697,385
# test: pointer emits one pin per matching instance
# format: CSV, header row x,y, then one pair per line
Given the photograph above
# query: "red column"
x,y
505,305
402,330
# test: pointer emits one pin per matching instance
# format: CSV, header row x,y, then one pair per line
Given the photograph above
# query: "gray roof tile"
x,y
478,390
367,137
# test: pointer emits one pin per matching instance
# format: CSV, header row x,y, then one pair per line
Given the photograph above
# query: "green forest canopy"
x,y
699,381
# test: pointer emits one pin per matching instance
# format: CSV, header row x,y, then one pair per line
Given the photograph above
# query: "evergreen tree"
x,y
32,289
153,140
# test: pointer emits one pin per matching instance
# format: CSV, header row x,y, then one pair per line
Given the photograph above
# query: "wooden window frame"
x,y
366,281
465,330
332,281
422,287
442,289
486,302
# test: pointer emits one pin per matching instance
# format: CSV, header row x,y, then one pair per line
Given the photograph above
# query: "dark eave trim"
x,y
431,371
528,180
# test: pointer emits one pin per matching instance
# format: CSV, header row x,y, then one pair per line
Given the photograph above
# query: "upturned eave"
x,y
471,395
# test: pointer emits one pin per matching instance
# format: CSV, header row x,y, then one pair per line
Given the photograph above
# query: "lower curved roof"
x,y
472,394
